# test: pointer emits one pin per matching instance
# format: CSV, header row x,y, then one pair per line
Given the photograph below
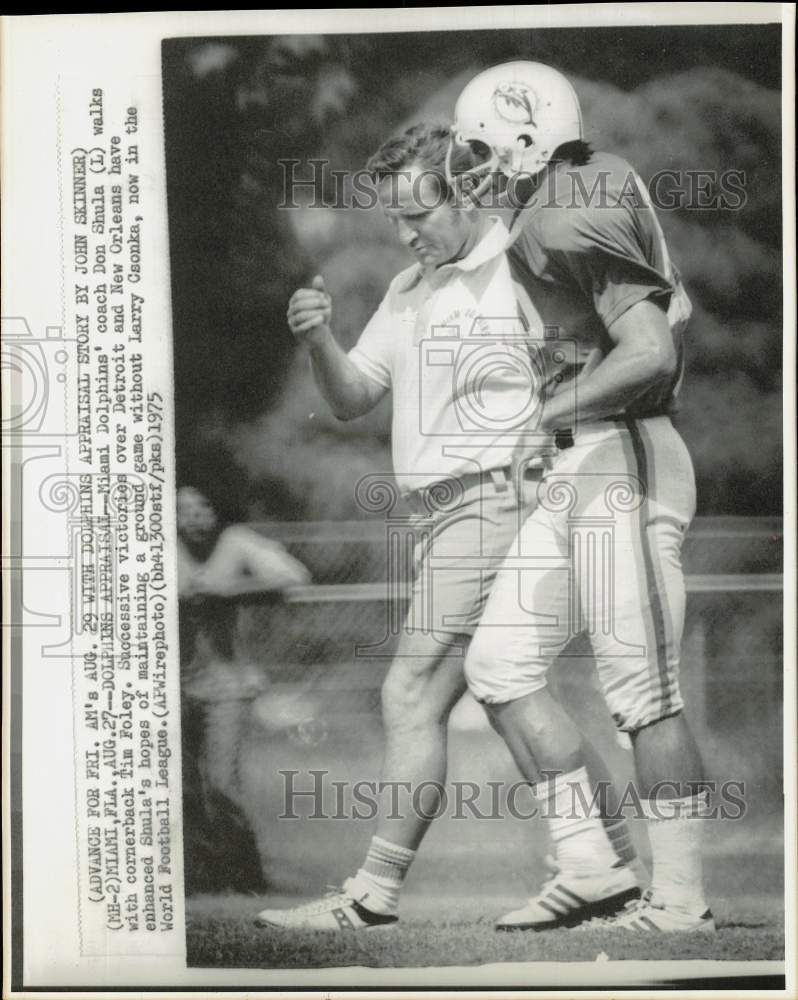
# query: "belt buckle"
x,y
500,478
564,439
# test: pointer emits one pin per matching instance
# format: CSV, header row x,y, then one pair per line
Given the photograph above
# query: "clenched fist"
x,y
309,312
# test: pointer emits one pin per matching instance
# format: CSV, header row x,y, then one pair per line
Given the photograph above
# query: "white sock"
x,y
378,883
675,830
621,839
580,842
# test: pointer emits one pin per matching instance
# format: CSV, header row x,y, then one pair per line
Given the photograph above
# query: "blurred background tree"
x,y
682,98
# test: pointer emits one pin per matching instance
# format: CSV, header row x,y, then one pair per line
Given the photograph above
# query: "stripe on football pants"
x,y
670,651
655,606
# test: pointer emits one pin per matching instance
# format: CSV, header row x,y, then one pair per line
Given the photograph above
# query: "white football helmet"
x,y
517,114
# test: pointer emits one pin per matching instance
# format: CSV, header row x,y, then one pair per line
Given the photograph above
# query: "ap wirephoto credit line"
x,y
401,512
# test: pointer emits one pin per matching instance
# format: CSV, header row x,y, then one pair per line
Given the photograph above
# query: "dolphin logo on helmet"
x,y
515,103
517,115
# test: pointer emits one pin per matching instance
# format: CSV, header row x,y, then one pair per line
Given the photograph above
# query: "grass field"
x,y
456,929
469,872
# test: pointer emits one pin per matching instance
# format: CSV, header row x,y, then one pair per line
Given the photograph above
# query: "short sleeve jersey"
x,y
452,344
586,249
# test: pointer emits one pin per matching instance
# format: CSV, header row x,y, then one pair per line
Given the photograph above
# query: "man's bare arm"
x,y
348,391
643,354
244,562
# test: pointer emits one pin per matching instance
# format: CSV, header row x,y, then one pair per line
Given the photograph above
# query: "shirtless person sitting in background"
x,y
217,568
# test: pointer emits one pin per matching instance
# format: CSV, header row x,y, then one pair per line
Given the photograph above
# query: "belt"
x,y
565,438
445,494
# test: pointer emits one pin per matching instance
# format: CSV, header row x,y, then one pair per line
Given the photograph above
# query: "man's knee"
x,y
402,696
419,692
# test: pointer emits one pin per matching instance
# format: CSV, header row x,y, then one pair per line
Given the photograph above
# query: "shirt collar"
x,y
493,243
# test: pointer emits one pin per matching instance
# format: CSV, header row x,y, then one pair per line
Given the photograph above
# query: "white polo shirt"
x,y
452,343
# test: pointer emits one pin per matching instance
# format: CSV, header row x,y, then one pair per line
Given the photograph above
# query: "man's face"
x,y
434,229
196,518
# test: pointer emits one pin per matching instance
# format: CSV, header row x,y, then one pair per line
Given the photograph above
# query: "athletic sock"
x,y
378,883
621,839
675,831
574,821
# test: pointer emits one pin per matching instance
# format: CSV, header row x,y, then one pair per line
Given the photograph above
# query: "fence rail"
x,y
702,528
724,555
333,639
337,593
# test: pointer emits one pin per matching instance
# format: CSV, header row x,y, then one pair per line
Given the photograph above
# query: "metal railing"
x,y
728,531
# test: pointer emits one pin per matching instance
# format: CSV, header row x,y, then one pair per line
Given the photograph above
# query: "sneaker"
x,y
337,910
647,915
568,899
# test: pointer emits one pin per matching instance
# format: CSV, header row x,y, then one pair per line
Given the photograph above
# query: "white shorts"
x,y
600,555
457,551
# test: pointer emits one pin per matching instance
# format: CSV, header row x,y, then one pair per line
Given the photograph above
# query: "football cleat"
x,y
570,898
646,915
337,910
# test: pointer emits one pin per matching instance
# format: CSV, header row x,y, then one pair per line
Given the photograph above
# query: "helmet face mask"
x,y
520,112
473,183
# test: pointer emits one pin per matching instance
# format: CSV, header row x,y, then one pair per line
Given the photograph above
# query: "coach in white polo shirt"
x,y
463,395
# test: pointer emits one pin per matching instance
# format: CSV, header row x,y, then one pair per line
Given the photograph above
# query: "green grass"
x,y
458,932
466,874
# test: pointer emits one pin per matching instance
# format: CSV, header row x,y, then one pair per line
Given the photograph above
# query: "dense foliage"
x,y
250,423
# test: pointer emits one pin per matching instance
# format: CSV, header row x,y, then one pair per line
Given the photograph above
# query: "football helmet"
x,y
513,117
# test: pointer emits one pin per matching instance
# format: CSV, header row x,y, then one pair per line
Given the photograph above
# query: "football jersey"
x,y
587,247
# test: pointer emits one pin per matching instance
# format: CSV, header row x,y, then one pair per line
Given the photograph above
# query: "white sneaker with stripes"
x,y
567,899
646,915
336,910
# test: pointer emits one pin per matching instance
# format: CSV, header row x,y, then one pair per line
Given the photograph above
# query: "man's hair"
x,y
577,153
209,467
424,145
